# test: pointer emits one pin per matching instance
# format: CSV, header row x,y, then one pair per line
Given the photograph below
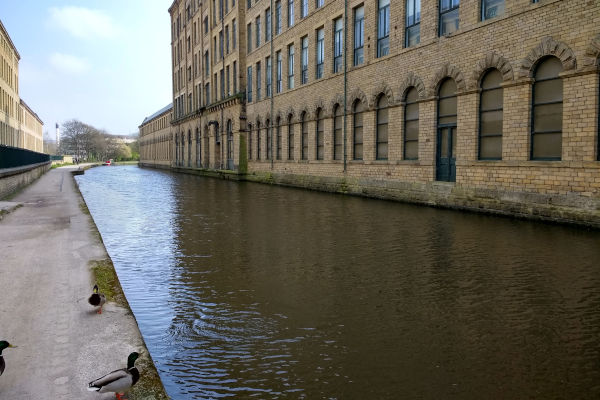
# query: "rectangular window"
x,y
249,96
207,94
234,34
268,25
304,78
279,73
278,17
228,86
227,39
383,28
359,35
258,81
257,26
320,52
235,77
291,66
304,9
491,9
269,77
205,24
222,83
206,64
248,4
249,37
448,16
221,44
319,3
338,45
290,13
413,23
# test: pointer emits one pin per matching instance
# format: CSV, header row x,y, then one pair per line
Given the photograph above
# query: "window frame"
x,y
480,136
338,44
383,37
454,6
533,133
407,120
320,53
359,32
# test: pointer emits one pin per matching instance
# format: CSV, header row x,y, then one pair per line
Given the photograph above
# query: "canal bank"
x,y
49,246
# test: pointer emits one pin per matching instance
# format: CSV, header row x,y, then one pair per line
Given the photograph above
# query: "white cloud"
x,y
69,64
83,23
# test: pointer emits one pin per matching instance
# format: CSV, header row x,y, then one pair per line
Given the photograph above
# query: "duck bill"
x,y
11,346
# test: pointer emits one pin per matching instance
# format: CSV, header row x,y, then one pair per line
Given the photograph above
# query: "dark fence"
x,y
11,157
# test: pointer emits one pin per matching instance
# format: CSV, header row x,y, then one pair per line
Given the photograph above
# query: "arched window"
x,y
206,141
269,139
258,141
546,116
249,141
446,132
304,137
290,138
357,134
411,125
490,116
337,133
189,148
229,144
198,148
278,139
319,137
381,148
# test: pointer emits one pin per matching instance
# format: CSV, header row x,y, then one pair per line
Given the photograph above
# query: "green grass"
x,y
61,165
106,279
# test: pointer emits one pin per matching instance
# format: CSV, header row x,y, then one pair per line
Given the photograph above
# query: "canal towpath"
x,y
48,242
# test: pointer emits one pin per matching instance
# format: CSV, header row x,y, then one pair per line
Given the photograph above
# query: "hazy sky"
x,y
103,62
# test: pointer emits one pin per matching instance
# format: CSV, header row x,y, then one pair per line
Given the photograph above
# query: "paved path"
x,y
45,247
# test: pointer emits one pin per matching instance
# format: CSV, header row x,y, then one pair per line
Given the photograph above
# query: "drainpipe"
x,y
272,88
345,76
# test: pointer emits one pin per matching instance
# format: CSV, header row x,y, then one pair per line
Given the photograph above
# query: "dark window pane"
x,y
491,122
549,68
447,88
447,107
412,95
547,145
548,91
491,147
444,144
412,111
382,133
491,99
492,79
547,118
412,130
411,150
382,116
382,151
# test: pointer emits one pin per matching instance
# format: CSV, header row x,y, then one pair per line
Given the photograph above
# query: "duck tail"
x,y
92,388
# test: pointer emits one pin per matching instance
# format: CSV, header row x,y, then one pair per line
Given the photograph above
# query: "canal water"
x,y
248,291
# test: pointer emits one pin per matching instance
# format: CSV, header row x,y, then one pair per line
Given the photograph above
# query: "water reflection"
x,y
253,291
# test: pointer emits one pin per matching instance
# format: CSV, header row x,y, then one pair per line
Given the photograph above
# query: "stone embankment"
x,y
51,250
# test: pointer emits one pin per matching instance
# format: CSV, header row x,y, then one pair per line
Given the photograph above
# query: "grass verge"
x,y
149,386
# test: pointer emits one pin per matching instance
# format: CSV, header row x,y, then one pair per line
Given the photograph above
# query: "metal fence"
x,y
12,157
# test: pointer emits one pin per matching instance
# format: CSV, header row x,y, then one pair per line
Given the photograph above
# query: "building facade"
x,y
155,138
475,104
19,125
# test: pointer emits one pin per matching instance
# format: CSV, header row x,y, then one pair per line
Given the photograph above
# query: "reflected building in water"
x,y
484,105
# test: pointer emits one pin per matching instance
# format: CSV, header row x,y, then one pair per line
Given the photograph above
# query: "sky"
x,y
106,63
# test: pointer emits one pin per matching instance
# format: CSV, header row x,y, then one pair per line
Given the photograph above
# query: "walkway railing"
x,y
12,157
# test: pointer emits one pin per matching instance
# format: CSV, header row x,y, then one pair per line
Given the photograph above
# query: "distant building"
x,y
19,125
486,105
155,138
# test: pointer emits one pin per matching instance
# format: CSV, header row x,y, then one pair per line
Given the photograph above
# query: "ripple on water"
x,y
255,291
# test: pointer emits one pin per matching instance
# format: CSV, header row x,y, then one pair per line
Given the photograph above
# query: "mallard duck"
x,y
3,345
97,299
118,381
